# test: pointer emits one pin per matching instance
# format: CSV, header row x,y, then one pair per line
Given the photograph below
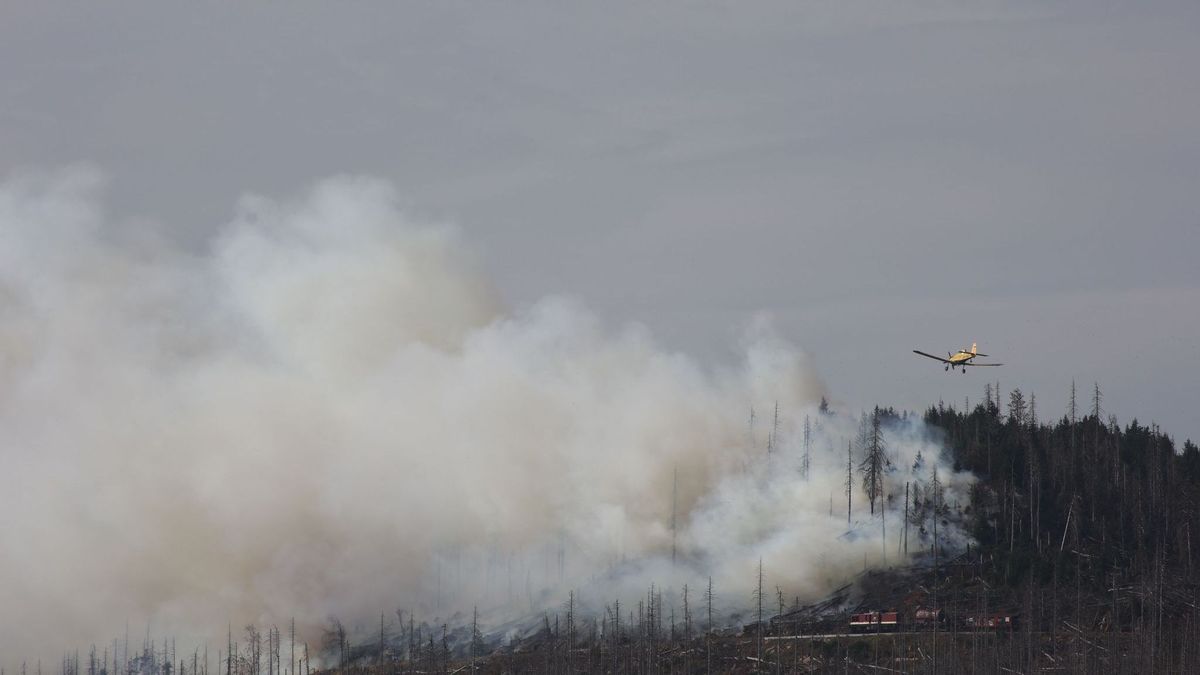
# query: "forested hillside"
x,y
1079,492
1084,525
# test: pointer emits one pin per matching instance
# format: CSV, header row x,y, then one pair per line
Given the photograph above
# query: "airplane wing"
x,y
917,351
980,364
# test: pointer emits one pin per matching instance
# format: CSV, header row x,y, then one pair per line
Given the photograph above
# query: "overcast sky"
x,y
877,177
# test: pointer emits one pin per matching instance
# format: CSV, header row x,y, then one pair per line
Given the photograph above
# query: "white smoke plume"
x,y
328,412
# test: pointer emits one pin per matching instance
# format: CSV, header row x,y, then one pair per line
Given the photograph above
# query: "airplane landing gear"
x,y
964,370
946,368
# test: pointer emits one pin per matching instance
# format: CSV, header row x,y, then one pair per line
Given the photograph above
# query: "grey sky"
x,y
877,177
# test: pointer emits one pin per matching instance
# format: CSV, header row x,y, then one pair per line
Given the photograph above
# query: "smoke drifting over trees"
x,y
327,411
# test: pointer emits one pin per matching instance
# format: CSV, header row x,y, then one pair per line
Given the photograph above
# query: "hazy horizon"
x,y
878,178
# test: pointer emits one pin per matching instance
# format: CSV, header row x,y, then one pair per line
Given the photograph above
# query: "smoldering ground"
x,y
327,411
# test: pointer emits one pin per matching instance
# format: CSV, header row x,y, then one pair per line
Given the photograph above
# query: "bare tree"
x,y
804,460
475,633
1071,414
773,438
875,462
382,640
253,649
708,596
758,597
570,627
935,489
849,478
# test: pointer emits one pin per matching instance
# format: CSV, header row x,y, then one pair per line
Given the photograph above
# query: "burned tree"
x,y
875,460
849,478
805,458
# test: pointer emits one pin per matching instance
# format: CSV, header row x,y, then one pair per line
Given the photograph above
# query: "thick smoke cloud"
x,y
328,412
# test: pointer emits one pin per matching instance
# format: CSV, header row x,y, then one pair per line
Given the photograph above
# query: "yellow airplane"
x,y
962,358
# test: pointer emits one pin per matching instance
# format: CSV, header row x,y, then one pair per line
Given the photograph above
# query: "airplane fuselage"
x,y
960,359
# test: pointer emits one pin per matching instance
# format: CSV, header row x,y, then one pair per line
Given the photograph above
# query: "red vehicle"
x,y
874,622
992,622
928,616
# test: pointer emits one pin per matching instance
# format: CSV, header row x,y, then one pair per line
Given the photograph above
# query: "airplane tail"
x,y
974,350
